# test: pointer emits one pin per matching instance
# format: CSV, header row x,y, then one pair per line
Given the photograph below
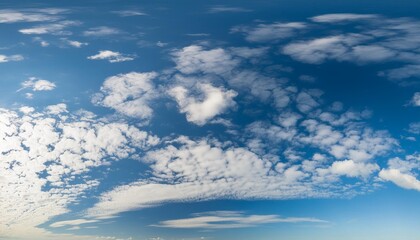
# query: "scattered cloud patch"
x,y
130,94
11,58
36,84
112,57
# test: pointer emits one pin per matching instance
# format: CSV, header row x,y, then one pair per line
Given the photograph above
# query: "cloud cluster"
x,y
347,37
44,157
129,94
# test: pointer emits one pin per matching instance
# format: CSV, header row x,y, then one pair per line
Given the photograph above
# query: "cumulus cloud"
x,y
130,94
230,219
36,84
111,56
195,59
403,180
11,58
402,172
200,109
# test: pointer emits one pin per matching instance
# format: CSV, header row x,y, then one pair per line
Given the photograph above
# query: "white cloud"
x,y
229,219
111,56
416,99
353,169
29,15
11,58
75,222
63,151
404,180
210,102
57,28
74,43
56,109
129,13
102,31
26,109
340,48
130,94
397,74
224,9
342,17
195,59
270,32
36,84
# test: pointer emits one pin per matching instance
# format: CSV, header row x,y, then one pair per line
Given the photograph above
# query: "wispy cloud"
x,y
223,9
228,219
101,31
57,28
10,58
129,13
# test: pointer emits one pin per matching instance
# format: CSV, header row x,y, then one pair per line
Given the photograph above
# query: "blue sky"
x,y
169,120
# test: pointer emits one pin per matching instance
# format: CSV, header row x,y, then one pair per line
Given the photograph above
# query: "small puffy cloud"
x,y
26,109
342,17
36,84
111,56
101,31
230,219
74,43
270,32
129,94
56,109
195,59
353,169
415,101
210,102
11,58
